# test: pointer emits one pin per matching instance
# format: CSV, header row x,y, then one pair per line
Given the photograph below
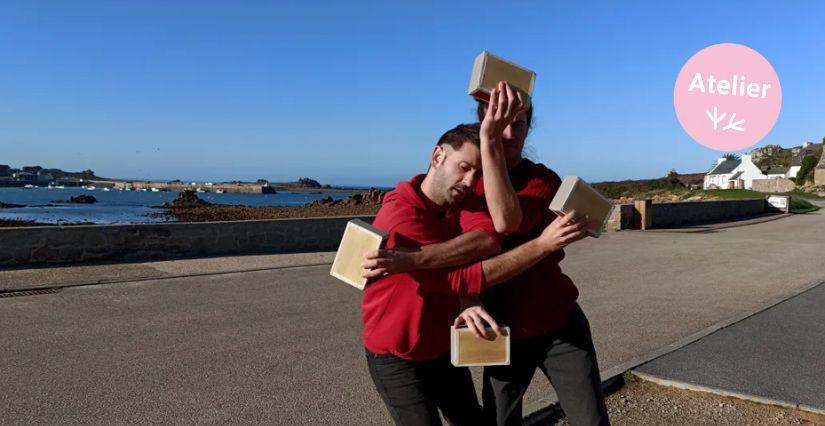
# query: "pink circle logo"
x,y
727,97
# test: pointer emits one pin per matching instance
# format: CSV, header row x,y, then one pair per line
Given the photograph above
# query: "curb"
x,y
156,278
613,378
716,391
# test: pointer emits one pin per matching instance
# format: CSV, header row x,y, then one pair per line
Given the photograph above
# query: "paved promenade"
x,y
775,355
280,343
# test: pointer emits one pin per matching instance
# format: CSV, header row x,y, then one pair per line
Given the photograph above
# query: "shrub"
x,y
806,170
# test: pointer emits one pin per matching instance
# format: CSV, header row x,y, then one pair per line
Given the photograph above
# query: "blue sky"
x,y
358,92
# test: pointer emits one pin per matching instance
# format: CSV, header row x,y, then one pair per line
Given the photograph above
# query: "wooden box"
x,y
467,350
359,238
489,69
576,194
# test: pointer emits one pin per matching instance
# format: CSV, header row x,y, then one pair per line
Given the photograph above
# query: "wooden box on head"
x,y
467,350
489,70
576,194
359,238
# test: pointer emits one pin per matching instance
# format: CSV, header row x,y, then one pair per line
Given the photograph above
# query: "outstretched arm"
x,y
561,232
462,250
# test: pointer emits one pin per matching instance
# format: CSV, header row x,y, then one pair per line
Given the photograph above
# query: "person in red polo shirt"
x,y
550,331
407,315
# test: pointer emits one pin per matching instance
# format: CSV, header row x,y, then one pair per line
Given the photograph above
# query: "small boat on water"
x,y
199,190
91,188
106,189
29,186
220,191
155,189
142,189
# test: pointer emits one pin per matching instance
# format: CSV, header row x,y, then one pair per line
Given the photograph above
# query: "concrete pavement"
x,y
282,345
778,355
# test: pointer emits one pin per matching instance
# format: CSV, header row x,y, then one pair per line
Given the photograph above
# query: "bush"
x,y
806,170
802,206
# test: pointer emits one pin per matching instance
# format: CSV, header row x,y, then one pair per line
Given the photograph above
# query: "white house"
x,y
733,174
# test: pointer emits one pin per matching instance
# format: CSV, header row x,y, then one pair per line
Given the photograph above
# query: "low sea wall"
x,y
93,243
670,215
154,241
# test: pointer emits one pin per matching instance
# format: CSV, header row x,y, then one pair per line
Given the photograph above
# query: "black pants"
x,y
568,359
414,391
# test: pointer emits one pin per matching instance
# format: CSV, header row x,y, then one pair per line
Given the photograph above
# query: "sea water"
x,y
47,205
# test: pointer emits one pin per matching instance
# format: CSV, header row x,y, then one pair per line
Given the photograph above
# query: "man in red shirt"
x,y
550,331
407,315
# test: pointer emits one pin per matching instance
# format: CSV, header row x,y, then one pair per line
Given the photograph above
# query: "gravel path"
x,y
644,403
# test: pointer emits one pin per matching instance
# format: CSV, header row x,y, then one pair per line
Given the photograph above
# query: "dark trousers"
x,y
568,359
414,391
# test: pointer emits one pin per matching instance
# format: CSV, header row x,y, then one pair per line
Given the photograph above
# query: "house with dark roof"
x,y
733,174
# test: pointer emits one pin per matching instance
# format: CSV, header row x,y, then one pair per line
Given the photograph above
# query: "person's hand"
x,y
564,230
380,263
503,107
475,316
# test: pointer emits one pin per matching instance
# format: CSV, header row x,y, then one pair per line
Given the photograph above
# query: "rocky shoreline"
x,y
189,208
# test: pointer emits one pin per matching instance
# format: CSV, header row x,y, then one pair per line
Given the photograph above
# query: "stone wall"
x,y
773,185
91,243
57,244
668,215
621,217
819,175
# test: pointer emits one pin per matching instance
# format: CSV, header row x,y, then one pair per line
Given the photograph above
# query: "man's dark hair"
x,y
461,134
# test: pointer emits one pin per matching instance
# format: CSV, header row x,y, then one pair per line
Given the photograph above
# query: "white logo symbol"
x,y
732,123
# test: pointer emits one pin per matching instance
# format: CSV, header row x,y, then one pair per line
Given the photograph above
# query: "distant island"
x,y
37,176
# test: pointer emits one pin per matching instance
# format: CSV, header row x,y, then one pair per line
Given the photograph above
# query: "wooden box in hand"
x,y
489,69
359,238
576,194
467,350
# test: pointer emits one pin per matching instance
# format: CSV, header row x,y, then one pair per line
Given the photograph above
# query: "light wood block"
x,y
359,238
467,350
576,194
489,69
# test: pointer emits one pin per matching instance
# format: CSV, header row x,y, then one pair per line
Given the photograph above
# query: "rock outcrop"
x,y
187,198
83,199
372,197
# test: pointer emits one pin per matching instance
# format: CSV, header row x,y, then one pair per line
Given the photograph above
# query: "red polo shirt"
x,y
540,299
409,314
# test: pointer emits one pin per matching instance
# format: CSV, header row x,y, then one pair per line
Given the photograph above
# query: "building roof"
x,y
725,167
736,176
775,170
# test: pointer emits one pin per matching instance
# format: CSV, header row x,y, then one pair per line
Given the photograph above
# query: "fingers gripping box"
x,y
467,350
359,238
489,69
576,194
